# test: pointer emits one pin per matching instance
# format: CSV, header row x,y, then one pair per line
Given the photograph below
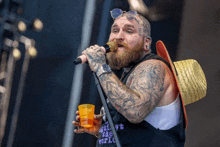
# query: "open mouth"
x,y
120,45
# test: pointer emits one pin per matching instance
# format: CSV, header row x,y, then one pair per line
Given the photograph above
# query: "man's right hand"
x,y
93,130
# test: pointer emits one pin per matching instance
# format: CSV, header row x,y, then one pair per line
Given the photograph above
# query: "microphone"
x,y
110,46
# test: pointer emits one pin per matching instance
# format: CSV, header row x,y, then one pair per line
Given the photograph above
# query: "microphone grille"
x,y
113,45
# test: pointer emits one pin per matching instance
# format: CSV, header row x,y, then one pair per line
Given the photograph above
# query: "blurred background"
x,y
54,86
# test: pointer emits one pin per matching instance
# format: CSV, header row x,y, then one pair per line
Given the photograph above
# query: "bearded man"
x,y
144,103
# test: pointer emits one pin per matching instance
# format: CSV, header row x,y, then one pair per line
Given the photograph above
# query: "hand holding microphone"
x,y
110,46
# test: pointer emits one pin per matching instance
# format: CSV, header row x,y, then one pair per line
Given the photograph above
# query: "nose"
x,y
120,36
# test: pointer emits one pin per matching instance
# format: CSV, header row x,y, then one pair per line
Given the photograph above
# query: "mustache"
x,y
119,44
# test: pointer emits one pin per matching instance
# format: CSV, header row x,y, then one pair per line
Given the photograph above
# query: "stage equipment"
x,y
12,26
103,99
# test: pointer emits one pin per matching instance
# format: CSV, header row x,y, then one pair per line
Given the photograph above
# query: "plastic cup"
x,y
86,114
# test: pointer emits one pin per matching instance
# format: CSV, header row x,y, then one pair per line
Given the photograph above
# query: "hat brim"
x,y
162,52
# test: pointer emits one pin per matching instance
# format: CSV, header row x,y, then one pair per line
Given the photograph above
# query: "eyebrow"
x,y
127,25
131,26
115,25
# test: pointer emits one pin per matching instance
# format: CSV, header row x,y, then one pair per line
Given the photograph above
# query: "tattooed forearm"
x,y
142,93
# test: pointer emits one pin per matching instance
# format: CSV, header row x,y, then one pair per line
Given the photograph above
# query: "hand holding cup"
x,y
91,128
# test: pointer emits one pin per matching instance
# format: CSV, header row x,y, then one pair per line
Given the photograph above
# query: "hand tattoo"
x,y
95,56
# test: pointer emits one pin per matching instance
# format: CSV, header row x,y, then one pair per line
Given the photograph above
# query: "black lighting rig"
x,y
12,27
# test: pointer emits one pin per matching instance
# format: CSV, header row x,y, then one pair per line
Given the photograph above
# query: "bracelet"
x,y
103,69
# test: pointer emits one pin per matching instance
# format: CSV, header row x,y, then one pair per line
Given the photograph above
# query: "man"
x,y
144,103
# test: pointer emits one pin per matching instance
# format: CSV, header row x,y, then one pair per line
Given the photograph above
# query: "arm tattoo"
x,y
140,95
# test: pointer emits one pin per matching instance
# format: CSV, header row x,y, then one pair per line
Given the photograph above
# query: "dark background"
x,y
191,30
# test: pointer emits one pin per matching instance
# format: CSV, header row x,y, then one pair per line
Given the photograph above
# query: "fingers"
x,y
79,130
77,112
99,116
77,118
94,47
75,123
97,47
77,115
83,130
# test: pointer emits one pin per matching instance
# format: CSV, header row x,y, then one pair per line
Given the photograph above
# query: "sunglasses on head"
x,y
116,13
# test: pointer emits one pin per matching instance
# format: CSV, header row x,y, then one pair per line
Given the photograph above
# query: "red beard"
x,y
120,59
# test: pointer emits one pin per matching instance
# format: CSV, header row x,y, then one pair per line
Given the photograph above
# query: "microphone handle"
x,y
77,61
107,48
82,59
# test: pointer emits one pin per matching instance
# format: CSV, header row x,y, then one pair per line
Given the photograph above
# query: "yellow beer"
x,y
86,114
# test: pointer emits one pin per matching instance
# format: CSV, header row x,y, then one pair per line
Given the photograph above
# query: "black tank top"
x,y
142,134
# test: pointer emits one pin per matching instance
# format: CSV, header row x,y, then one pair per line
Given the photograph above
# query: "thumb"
x,y
99,116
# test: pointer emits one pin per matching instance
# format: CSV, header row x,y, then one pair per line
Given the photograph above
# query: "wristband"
x,y
103,69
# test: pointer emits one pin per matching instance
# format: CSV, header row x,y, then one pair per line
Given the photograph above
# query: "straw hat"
x,y
189,76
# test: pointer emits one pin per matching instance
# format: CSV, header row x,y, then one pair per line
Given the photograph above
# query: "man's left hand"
x,y
95,57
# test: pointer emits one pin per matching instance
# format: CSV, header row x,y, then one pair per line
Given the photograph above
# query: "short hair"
x,y
146,25
144,22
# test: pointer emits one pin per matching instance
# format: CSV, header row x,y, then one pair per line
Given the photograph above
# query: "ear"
x,y
147,43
